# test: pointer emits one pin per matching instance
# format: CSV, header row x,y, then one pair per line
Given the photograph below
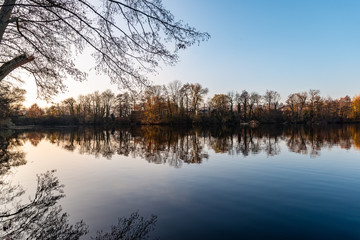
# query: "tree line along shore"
x,y
179,104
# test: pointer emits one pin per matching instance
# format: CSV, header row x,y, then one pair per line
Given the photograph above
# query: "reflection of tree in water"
x,y
10,155
306,140
357,140
43,218
35,137
243,141
135,227
166,145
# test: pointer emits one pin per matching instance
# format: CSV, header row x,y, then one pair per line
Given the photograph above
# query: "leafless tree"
x,y
292,102
272,98
254,99
108,99
315,102
196,93
129,38
184,96
244,99
232,98
302,98
174,91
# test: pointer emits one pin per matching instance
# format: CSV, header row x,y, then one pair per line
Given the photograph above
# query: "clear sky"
x,y
282,45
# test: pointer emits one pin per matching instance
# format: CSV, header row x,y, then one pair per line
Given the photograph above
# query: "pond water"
x,y
265,183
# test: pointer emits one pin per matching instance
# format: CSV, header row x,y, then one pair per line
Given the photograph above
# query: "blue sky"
x,y
288,46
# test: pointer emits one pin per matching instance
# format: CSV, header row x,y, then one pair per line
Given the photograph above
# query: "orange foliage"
x,y
356,142
154,109
34,111
356,106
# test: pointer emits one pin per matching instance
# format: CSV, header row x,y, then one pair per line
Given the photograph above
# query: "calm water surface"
x,y
265,183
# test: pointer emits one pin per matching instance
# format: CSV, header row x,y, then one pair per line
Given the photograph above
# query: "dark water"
x,y
265,183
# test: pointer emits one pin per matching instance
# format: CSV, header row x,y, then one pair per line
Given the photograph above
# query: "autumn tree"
x,y
220,102
155,106
219,105
34,111
128,39
53,112
345,108
356,106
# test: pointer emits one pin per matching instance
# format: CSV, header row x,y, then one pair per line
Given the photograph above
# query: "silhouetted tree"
x,y
40,37
272,98
108,99
244,100
254,100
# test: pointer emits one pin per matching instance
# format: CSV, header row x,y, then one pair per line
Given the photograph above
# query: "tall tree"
x,y
35,111
70,105
244,99
220,107
254,99
197,92
174,88
123,104
220,102
128,38
301,103
272,98
356,106
315,103
345,108
268,98
232,98
108,99
184,97
292,101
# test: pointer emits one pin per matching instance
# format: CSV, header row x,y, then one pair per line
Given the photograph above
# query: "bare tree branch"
x,y
129,39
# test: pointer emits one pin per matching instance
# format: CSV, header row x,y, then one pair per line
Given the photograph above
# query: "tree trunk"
x,y
5,14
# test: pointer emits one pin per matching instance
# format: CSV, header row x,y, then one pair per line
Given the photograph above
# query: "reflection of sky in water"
x,y
227,195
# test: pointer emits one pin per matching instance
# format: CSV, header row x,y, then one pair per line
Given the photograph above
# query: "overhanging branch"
x,y
16,62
